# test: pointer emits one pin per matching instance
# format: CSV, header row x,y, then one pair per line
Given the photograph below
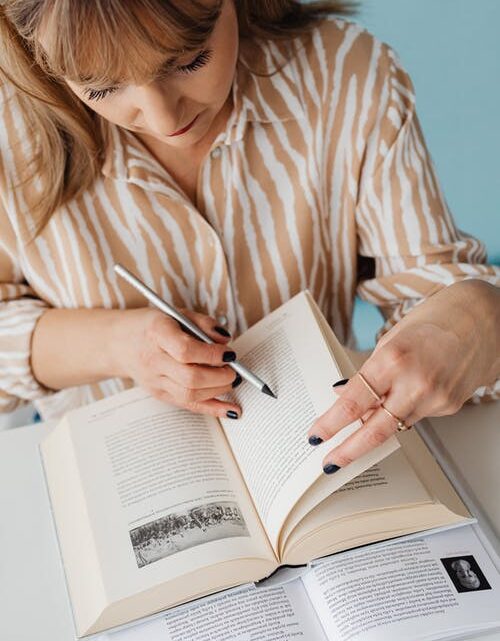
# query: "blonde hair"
x,y
70,139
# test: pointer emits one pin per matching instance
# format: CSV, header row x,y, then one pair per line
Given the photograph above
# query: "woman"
x,y
231,153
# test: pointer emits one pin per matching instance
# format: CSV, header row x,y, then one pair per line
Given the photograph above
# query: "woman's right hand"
x,y
172,365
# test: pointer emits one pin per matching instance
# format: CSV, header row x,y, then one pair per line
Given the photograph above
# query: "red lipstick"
x,y
184,129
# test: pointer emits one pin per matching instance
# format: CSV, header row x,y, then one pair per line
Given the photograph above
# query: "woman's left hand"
x,y
429,364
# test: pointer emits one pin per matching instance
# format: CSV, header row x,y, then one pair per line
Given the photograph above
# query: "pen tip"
x,y
268,391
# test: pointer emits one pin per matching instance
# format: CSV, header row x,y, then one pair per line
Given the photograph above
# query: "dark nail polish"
x,y
236,381
341,382
222,332
315,440
331,468
231,414
229,357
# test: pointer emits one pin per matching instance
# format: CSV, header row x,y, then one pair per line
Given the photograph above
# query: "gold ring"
x,y
370,388
401,426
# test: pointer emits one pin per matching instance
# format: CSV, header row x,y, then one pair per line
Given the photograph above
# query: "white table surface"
x,y
33,604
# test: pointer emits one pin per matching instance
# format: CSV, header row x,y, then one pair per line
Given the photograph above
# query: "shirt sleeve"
x,y
20,309
403,223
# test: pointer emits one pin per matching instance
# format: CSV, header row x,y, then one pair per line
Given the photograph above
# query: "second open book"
x,y
155,506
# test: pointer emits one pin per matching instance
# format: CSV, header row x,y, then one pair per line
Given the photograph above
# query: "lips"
x,y
184,129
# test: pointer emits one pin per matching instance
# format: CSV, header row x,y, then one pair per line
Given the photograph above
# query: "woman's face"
x,y
194,89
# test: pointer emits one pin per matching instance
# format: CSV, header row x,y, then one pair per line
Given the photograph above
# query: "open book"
x,y
438,586
155,506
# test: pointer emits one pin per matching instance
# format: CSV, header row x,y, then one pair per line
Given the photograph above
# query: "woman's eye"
x,y
201,60
99,94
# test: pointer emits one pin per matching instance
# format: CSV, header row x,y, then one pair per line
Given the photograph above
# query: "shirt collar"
x,y
263,97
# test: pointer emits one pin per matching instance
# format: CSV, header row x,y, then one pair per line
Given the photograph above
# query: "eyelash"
x,y
200,61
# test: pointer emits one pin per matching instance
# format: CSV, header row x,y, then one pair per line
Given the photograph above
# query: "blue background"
x,y
451,48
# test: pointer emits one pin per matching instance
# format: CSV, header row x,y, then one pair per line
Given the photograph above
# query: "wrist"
x,y
116,340
480,301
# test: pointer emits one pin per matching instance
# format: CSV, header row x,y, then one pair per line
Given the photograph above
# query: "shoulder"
x,y
338,52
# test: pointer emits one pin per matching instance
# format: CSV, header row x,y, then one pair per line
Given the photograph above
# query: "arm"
x,y
73,347
20,309
43,349
440,344
80,346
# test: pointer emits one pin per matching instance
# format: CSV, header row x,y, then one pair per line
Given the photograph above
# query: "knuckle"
x,y
189,377
422,388
343,460
155,393
188,396
395,356
319,429
215,352
182,349
198,408
375,437
161,395
350,409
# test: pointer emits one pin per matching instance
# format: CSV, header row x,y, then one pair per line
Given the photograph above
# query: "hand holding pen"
x,y
173,365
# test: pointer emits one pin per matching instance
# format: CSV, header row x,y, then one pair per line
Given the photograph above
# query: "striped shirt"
x,y
321,179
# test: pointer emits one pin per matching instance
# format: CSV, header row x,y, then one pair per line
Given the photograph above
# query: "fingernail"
x,y
222,332
341,382
236,381
231,414
315,440
331,468
229,357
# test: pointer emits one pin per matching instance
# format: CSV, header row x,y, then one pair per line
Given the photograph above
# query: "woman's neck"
x,y
183,163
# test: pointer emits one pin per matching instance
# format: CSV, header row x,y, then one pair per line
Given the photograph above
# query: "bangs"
x,y
109,42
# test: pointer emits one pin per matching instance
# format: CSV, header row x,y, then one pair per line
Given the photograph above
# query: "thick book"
x,y
155,506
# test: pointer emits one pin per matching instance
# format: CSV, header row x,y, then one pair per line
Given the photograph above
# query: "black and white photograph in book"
x,y
179,531
465,573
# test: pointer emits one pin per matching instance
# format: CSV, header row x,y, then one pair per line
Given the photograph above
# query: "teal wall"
x,y
451,49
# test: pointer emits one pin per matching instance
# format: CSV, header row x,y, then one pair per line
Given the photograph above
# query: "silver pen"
x,y
188,324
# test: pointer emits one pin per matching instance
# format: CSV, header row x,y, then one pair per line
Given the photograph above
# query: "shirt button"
x,y
215,153
222,320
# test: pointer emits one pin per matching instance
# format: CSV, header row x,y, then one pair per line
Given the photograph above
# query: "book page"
x,y
289,352
264,614
420,588
388,484
162,494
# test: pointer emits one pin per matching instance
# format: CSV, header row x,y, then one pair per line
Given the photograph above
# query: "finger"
x,y
338,387
353,402
187,396
212,407
185,348
193,376
379,427
376,429
209,325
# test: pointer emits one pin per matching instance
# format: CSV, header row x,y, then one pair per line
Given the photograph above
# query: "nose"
x,y
158,109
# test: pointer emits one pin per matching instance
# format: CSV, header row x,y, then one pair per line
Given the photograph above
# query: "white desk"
x,y
472,440
33,601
